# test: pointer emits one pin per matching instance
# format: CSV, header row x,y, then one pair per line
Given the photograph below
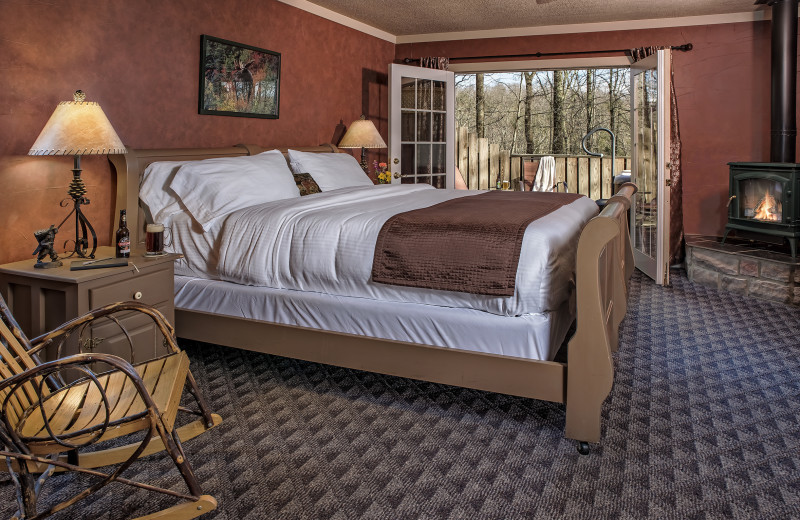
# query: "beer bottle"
x,y
123,236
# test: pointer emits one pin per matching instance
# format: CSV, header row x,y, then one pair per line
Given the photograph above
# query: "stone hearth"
x,y
752,269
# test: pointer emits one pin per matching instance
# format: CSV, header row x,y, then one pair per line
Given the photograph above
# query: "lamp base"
x,y
83,228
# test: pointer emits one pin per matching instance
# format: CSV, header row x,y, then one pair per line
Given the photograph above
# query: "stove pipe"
x,y
784,80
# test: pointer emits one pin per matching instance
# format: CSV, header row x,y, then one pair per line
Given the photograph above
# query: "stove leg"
x,y
793,247
725,235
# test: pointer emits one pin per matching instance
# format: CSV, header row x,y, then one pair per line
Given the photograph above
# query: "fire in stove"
x,y
768,208
762,198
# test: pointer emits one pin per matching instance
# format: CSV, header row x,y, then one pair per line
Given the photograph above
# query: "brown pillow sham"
x,y
306,184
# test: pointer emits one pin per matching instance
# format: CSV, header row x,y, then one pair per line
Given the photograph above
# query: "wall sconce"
x,y
362,134
78,127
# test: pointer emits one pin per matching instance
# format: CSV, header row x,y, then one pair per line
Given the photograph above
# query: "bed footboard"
x,y
604,266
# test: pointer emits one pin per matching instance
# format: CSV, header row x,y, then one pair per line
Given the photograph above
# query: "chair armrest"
x,y
167,330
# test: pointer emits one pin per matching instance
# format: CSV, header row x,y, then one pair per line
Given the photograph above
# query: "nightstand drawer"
x,y
149,288
108,337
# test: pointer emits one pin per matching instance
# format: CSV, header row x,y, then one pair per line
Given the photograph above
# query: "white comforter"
x,y
325,243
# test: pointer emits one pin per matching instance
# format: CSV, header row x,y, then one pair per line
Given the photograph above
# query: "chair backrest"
x,y
14,359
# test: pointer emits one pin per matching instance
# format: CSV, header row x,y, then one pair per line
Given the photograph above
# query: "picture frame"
x,y
238,80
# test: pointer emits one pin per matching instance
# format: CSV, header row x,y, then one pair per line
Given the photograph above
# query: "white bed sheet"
x,y
199,249
533,336
325,243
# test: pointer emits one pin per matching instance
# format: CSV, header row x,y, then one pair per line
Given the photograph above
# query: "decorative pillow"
x,y
331,171
155,193
306,184
212,188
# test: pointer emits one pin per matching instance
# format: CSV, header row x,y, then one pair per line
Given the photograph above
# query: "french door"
x,y
422,125
650,117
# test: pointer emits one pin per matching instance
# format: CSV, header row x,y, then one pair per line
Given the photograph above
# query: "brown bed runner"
x,y
470,244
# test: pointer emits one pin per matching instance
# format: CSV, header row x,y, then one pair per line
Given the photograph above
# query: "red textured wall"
x,y
723,94
140,61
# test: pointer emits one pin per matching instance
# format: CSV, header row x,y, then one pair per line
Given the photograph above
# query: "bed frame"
x,y
605,264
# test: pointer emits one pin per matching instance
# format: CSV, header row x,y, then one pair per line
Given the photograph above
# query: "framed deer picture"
x,y
238,80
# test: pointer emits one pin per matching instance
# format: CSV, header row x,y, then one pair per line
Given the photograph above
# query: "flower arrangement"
x,y
382,172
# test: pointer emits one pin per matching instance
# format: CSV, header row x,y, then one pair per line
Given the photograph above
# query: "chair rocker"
x,y
47,422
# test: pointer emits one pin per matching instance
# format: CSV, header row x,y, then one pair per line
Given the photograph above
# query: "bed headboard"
x,y
131,165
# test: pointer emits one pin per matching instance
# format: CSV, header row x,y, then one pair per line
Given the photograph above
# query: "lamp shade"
x,y
362,134
77,128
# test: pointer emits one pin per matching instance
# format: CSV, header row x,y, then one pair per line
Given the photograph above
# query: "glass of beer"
x,y
154,240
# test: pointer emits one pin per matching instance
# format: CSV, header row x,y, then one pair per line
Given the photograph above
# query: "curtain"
x,y
434,62
676,249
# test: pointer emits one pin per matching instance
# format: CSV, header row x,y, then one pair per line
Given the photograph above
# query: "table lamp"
x,y
362,134
78,127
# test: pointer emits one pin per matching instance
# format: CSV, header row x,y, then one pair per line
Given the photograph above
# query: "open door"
x,y
422,125
650,111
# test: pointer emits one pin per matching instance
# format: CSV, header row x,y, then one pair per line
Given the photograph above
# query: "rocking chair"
x,y
46,421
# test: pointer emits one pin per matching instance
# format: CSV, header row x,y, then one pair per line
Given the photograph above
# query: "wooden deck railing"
x,y
584,174
482,165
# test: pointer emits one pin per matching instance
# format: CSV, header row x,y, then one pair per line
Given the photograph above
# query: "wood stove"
x,y
765,199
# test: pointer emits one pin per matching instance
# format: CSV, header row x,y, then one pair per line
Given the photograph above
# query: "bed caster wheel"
x,y
583,448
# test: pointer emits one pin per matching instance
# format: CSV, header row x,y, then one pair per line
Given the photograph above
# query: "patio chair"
x,y
51,424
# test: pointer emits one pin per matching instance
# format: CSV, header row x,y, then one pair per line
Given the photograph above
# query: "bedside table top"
x,y
63,274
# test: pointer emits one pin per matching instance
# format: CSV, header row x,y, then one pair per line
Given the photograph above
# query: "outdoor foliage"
x,y
240,80
548,112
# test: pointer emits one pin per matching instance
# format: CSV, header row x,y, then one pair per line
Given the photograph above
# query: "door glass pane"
x,y
424,94
438,159
407,125
423,159
438,135
426,179
438,95
406,159
646,129
439,181
408,93
423,126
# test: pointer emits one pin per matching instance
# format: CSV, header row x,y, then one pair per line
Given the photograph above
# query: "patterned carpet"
x,y
702,422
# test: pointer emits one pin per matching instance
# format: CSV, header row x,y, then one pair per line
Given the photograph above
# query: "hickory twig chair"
x,y
46,423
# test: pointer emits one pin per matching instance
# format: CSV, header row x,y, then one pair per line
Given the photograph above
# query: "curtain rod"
x,y
683,48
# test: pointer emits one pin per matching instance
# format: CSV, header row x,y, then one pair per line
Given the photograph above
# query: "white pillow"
x,y
212,188
331,171
155,193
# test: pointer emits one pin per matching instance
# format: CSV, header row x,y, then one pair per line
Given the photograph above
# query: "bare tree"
x,y
590,86
559,145
614,99
520,102
480,106
529,130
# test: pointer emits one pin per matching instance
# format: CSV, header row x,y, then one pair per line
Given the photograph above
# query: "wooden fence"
x,y
482,164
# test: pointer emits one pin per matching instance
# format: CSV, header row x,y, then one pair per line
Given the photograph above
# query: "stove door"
x,y
650,111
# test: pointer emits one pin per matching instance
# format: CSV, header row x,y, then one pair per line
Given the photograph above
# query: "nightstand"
x,y
42,299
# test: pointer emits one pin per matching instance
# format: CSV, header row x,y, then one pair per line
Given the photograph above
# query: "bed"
x,y
504,345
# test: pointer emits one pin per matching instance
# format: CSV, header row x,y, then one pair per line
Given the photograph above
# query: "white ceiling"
x,y
417,17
